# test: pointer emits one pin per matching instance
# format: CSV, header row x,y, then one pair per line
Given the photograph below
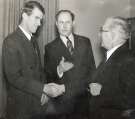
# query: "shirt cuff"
x,y
60,74
44,99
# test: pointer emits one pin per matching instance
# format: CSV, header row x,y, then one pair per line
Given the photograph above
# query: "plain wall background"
x,y
1,20
132,8
91,14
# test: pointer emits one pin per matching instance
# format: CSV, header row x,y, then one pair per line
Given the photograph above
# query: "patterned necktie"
x,y
69,46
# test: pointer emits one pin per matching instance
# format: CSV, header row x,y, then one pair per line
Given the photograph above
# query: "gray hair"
x,y
122,23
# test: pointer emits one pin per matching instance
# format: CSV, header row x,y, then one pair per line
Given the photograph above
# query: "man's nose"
x,y
38,22
64,25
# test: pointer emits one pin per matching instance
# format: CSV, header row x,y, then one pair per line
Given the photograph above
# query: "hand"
x,y
64,65
44,99
95,88
54,90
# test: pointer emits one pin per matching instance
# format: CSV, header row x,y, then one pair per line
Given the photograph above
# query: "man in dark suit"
x,y
113,83
69,60
26,87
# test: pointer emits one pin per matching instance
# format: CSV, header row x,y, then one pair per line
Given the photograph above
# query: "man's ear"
x,y
24,15
56,23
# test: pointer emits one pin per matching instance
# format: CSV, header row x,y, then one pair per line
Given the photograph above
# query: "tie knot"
x,y
68,39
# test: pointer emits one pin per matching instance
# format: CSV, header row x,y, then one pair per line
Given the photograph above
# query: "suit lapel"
x,y
77,47
76,41
21,34
28,45
23,40
119,52
63,51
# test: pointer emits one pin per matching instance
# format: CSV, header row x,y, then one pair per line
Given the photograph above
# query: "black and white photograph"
x,y
67,59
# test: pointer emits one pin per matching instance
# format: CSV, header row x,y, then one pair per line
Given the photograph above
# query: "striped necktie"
x,y
69,46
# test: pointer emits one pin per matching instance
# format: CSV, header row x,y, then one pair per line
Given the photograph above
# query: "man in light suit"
x,y
113,83
26,87
69,60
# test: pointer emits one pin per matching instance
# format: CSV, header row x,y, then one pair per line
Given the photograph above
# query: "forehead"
x,y
37,12
108,23
64,16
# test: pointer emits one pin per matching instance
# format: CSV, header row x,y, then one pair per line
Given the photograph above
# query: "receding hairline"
x,y
65,11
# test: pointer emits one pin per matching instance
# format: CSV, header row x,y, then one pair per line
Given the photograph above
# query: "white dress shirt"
x,y
64,39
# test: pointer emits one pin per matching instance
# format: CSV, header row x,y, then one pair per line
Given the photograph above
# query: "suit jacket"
x,y
23,72
75,80
117,78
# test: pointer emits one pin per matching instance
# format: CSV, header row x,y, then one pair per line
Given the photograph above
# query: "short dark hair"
x,y
30,5
65,11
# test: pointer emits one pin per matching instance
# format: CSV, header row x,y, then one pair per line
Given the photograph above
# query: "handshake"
x,y
52,90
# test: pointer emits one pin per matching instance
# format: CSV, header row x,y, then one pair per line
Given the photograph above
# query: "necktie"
x,y
69,46
34,45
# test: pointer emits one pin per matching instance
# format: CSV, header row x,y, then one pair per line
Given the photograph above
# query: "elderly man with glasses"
x,y
113,83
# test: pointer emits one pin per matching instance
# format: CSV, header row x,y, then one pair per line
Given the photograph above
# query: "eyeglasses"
x,y
102,30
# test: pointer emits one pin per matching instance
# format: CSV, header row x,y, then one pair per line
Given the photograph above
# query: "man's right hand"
x,y
64,66
54,90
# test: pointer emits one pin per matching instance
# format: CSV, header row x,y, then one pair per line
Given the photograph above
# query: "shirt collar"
x,y
64,39
111,51
26,33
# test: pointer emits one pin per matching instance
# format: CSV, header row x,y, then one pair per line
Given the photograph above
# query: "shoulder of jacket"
x,y
81,37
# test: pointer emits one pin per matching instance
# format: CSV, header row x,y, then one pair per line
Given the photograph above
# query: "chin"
x,y
65,34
